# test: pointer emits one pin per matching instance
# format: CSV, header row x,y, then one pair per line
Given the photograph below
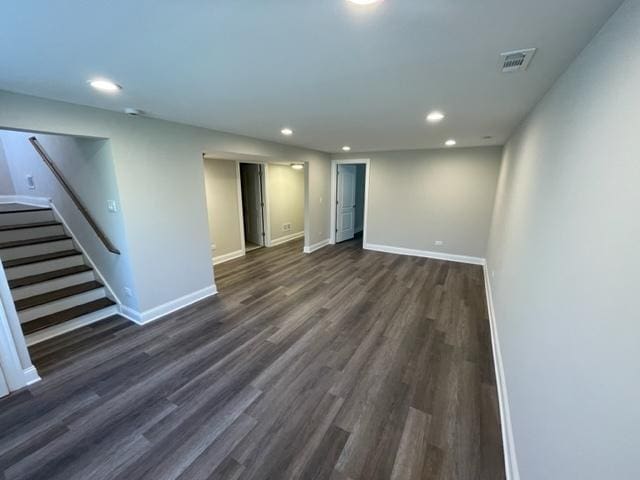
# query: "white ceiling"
x,y
335,73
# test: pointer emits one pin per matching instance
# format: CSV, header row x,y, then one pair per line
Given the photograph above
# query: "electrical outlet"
x,y
439,243
128,292
31,184
286,227
112,206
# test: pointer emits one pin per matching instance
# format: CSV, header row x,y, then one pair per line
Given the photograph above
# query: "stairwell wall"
x,y
87,165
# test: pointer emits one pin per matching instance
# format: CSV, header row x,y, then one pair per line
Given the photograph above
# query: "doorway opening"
x,y
253,205
349,192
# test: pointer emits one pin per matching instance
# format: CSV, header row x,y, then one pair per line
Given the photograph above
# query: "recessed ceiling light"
x,y
105,85
133,112
450,143
297,166
364,2
435,117
286,131
346,148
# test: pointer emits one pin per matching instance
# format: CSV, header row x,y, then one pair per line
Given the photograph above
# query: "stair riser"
x,y
20,218
43,267
28,233
51,285
78,322
38,249
59,305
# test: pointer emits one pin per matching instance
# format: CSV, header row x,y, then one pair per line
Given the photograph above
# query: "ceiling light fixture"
x,y
297,166
435,117
133,112
346,148
364,2
450,143
287,132
105,85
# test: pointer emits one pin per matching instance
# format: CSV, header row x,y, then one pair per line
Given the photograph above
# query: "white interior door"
x,y
252,203
346,203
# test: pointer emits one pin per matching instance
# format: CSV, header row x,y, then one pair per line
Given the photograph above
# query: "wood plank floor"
x,y
343,364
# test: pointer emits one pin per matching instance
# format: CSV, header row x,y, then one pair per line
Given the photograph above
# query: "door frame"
x,y
266,217
334,195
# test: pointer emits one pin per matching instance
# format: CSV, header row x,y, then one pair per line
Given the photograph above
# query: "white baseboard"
x,y
216,260
142,318
425,253
26,200
286,238
31,376
510,460
316,246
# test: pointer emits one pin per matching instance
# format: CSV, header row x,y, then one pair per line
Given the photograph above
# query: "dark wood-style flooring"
x,y
343,364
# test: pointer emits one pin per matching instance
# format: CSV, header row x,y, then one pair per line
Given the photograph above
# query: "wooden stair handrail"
x,y
67,188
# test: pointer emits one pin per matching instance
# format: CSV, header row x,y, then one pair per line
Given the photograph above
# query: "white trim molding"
x,y
510,460
218,259
317,246
450,257
240,213
15,362
266,210
334,194
31,376
287,238
142,318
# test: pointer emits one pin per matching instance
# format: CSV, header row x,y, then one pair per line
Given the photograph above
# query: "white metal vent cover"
x,y
518,60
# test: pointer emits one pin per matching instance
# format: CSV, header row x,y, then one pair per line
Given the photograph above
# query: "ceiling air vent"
x,y
517,61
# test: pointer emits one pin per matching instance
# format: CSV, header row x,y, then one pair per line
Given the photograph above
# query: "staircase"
x,y
54,288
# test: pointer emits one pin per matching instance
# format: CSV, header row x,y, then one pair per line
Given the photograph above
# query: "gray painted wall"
x,y
419,196
564,254
160,174
285,192
222,205
6,184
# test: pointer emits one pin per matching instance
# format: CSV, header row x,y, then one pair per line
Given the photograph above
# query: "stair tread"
x,y
65,315
21,226
44,277
34,241
17,262
17,208
44,298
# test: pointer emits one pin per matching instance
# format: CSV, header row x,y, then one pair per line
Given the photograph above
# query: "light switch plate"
x,y
112,206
